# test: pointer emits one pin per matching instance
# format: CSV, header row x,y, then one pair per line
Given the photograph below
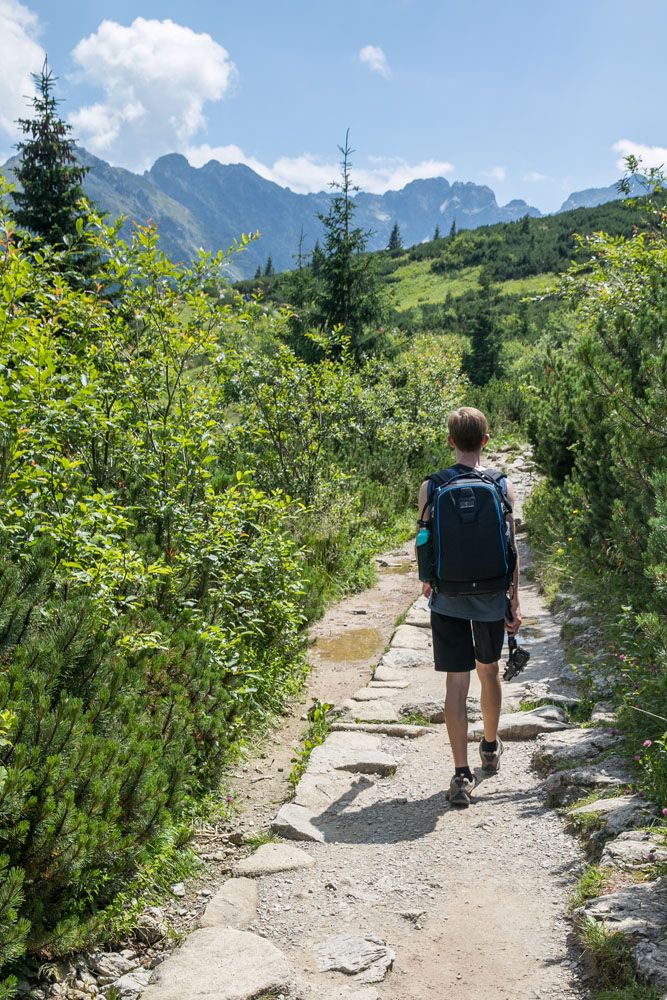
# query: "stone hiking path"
x,y
390,893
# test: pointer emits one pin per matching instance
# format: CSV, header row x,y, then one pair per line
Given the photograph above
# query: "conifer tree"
x,y
436,234
49,175
483,361
269,270
258,272
395,244
350,295
316,259
452,229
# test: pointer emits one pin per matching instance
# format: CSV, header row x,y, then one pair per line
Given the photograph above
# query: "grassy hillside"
x,y
518,258
415,283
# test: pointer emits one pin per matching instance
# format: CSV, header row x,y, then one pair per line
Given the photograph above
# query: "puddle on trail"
x,y
355,644
401,569
531,629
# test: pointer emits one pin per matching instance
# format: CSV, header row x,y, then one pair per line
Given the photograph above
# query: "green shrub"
x,y
177,492
597,420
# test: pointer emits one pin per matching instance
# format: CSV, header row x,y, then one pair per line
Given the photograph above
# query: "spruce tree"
x,y
269,270
436,234
258,272
395,244
49,175
350,294
483,361
452,229
316,259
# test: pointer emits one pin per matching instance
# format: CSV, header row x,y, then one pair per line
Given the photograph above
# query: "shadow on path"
x,y
402,819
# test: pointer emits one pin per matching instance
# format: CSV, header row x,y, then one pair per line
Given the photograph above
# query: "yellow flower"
x,y
560,552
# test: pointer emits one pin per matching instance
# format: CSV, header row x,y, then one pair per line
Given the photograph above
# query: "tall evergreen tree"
x,y
49,175
258,272
316,259
484,359
269,269
436,234
350,294
395,244
452,229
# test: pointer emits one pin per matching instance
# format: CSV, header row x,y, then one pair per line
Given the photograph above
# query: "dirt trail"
x,y
459,903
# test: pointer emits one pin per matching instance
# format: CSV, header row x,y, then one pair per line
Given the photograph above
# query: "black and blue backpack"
x,y
465,543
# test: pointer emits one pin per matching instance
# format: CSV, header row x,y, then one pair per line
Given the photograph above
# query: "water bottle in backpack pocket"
x,y
425,553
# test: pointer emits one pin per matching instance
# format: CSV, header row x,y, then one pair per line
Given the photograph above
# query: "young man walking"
x,y
469,628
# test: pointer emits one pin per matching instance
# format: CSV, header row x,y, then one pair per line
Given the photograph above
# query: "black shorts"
x,y
458,642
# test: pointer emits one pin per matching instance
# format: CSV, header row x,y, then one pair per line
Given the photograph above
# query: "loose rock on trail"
x,y
391,893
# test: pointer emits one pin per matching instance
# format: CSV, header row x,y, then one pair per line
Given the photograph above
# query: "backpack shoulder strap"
x,y
442,478
433,481
499,480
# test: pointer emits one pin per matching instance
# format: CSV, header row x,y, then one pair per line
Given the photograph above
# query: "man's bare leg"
x,y
456,715
491,698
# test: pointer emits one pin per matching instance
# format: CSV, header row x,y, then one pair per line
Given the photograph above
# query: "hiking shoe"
x,y
491,758
460,789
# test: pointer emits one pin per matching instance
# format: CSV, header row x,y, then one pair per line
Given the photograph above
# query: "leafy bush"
x,y
597,419
150,598
177,490
352,443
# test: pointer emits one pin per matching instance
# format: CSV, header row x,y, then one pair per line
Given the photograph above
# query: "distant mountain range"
x,y
211,206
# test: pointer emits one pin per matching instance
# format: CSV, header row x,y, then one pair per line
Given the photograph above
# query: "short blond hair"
x,y
467,428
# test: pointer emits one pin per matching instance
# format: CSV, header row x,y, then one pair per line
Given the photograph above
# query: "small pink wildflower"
x,y
230,798
622,656
637,757
647,743
664,810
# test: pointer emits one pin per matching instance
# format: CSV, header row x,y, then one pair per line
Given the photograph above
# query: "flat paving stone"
x,y
409,637
389,675
359,753
616,815
269,859
397,730
296,823
220,964
371,711
525,725
639,913
564,787
418,617
634,850
572,747
234,904
404,659
388,685
373,693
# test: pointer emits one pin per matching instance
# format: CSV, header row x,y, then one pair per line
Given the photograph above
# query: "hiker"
x,y
466,542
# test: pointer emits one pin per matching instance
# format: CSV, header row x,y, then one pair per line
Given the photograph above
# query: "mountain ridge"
x,y
212,205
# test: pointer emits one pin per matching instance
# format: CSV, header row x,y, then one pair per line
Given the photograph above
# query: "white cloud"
x,y
496,173
374,57
534,177
651,156
20,55
156,77
306,173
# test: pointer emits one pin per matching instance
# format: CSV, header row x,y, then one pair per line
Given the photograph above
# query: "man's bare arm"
x,y
421,503
514,623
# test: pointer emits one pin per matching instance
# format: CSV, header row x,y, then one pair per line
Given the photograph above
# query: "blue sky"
x,y
535,99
